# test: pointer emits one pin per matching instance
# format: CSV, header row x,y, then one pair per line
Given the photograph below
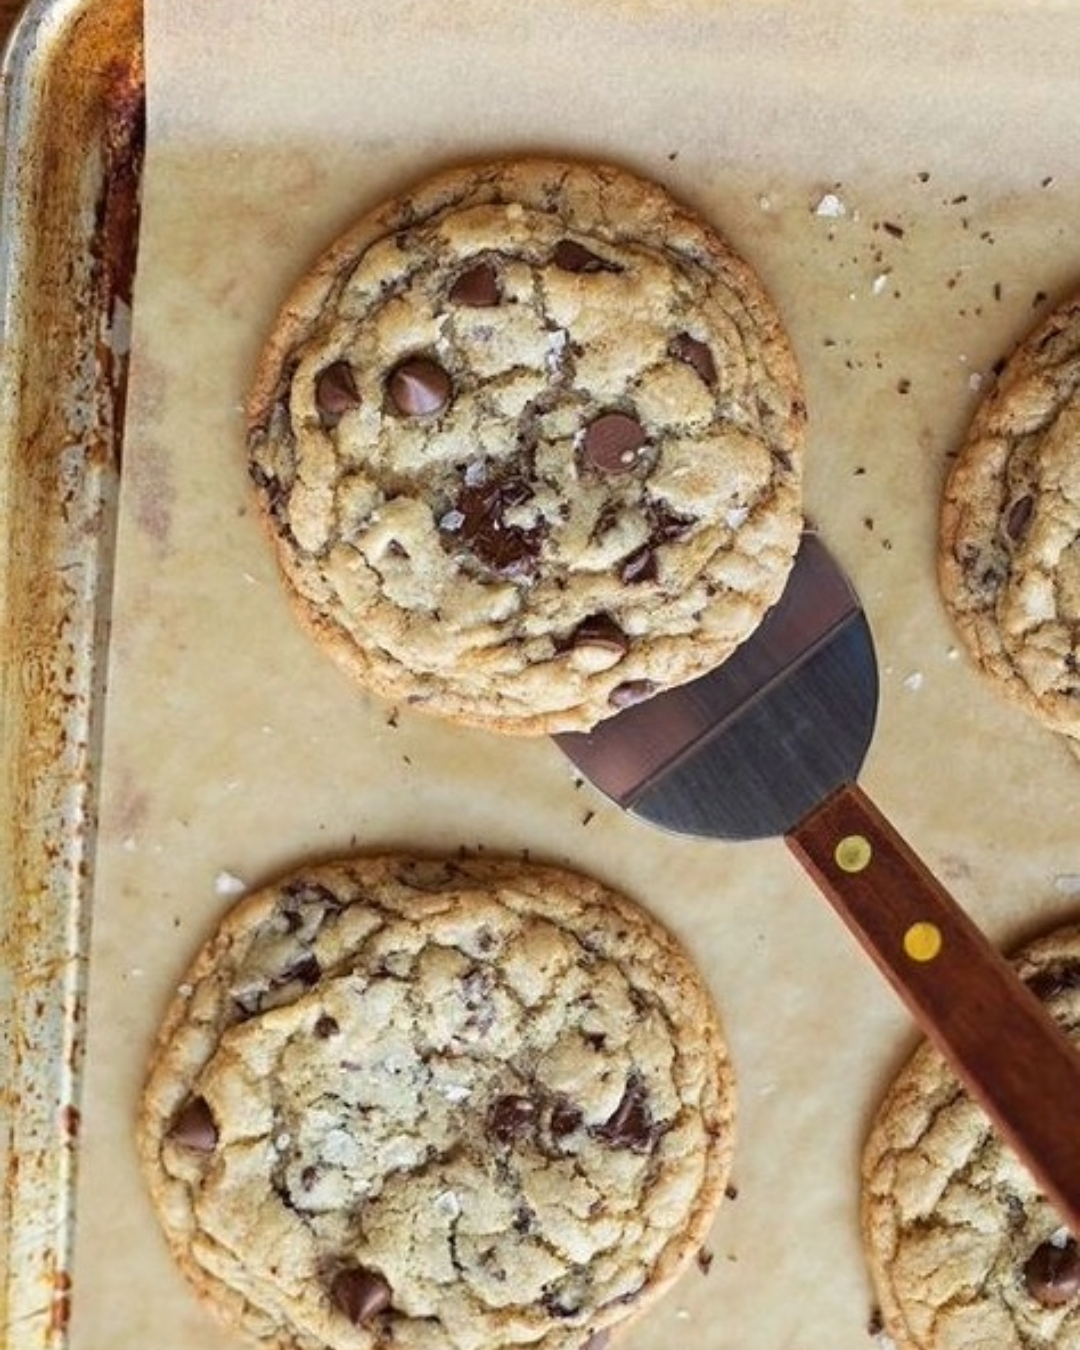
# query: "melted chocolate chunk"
x,y
613,442
478,520
628,693
360,1294
570,256
630,1125
565,1118
419,387
335,393
511,1118
1049,983
1052,1273
601,631
1019,518
478,288
639,566
307,970
193,1127
326,1027
667,525
696,354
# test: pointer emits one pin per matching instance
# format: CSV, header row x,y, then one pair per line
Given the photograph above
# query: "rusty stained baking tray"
x,y
73,117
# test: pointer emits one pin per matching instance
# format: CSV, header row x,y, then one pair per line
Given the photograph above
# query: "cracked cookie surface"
x,y
416,1103
1009,559
528,442
963,1248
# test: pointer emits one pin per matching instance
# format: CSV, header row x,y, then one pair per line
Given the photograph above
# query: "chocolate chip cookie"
x,y
528,441
963,1249
456,1103
1009,558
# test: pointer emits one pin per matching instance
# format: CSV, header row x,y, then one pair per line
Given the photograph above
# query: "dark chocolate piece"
x,y
360,1294
630,692
601,631
696,354
613,443
1019,517
193,1127
477,519
419,387
511,1117
478,288
335,393
630,1126
570,256
1052,1273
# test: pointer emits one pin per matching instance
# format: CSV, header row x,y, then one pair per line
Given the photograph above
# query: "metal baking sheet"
x,y
905,260
72,118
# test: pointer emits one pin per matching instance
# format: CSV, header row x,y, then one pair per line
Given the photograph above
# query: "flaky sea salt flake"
x,y
228,884
830,207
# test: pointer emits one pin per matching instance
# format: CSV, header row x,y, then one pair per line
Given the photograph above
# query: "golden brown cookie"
x,y
1009,561
528,441
964,1251
436,1103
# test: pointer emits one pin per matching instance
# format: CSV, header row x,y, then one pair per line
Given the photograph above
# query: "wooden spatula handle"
x,y
1001,1041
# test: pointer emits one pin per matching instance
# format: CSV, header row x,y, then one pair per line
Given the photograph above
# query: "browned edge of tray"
x,y
73,116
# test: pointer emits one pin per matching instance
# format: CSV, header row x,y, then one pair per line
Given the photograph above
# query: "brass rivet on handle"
x,y
923,941
853,853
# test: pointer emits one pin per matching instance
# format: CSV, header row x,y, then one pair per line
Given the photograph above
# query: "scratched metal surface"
x,y
72,135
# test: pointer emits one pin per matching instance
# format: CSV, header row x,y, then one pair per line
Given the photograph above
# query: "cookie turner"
x,y
771,743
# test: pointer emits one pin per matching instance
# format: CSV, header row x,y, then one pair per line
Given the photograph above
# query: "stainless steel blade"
x,y
745,751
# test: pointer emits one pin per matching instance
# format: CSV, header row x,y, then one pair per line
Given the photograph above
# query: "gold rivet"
x,y
923,941
853,853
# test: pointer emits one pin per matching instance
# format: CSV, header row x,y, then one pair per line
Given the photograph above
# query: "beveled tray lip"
x,y
72,108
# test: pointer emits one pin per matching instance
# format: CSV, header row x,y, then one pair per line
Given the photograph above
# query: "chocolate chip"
x,y
511,1118
639,566
478,520
630,1125
613,442
683,347
570,256
193,1127
565,1118
1019,517
326,1027
1052,1273
419,387
628,693
335,393
360,1294
477,288
601,631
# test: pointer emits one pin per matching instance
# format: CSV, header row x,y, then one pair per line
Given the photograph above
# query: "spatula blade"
x,y
745,751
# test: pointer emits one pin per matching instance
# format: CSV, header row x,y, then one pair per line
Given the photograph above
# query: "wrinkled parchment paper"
x,y
904,177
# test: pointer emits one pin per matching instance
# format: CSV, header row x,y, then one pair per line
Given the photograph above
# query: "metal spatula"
x,y
771,743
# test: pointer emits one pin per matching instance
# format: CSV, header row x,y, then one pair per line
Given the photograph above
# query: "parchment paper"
x,y
905,179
